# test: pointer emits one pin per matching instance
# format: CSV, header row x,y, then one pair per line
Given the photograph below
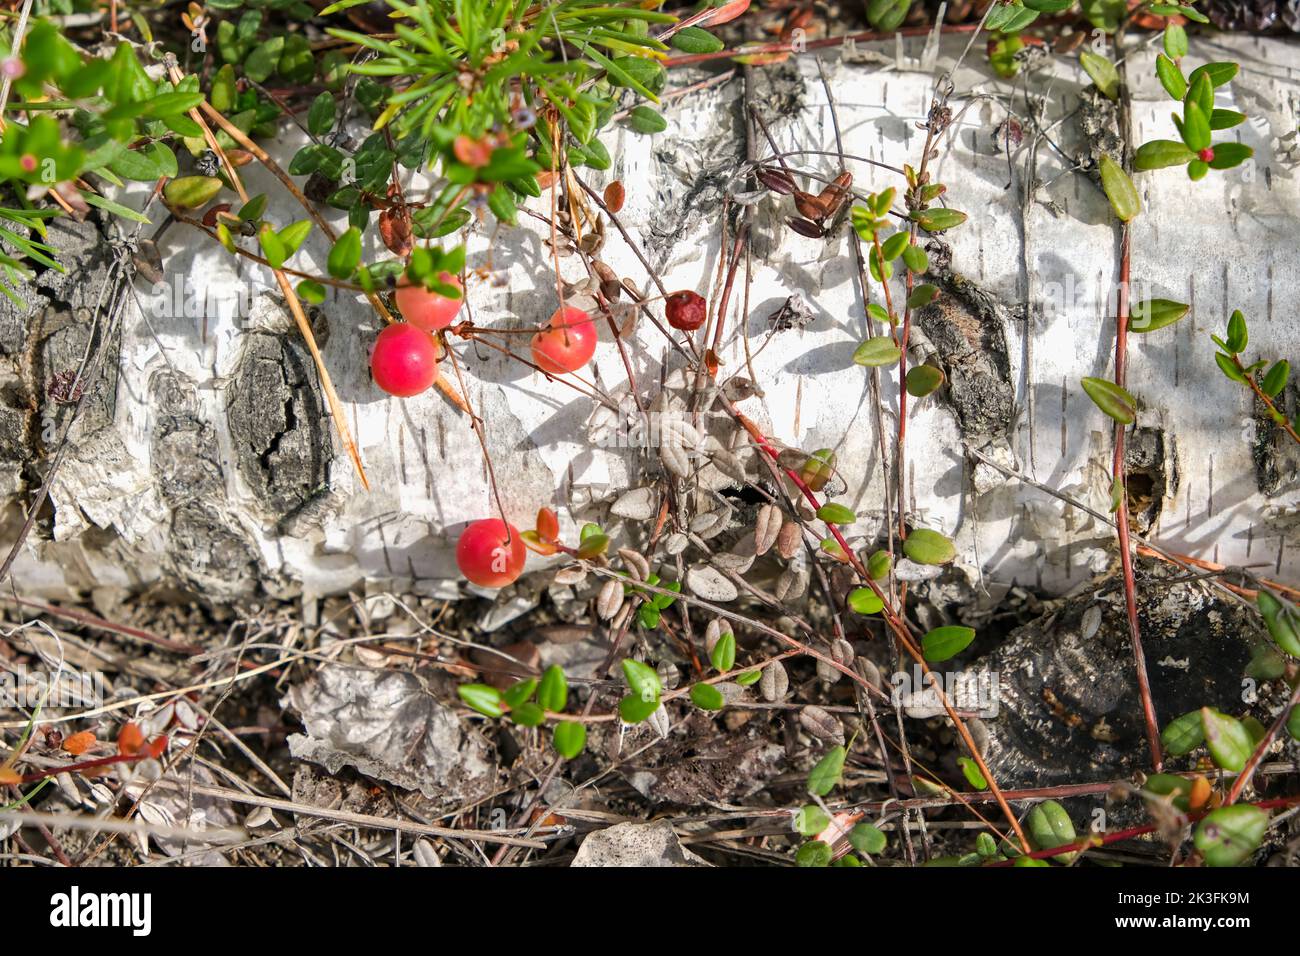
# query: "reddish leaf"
x,y
8,775
157,747
395,230
78,744
724,14
614,196
548,525
472,152
129,739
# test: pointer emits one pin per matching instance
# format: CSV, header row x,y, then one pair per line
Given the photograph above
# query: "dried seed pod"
x,y
804,227
738,388
676,543
610,600
788,540
768,528
620,619
637,566
842,654
821,724
869,671
675,459
615,194
791,585
712,523
660,722
774,683
809,206
775,180
570,576
669,674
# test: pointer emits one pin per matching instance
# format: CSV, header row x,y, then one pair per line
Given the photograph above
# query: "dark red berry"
x,y
1206,155
686,310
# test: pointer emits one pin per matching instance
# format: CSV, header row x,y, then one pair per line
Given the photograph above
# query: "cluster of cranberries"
x,y
404,362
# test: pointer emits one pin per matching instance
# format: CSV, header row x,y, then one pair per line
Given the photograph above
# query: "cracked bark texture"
x,y
206,460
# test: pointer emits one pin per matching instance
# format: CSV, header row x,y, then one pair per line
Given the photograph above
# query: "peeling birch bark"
x,y
206,458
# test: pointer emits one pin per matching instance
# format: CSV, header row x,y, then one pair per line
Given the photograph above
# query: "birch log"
x,y
206,457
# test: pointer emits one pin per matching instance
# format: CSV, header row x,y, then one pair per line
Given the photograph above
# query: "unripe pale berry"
x,y
686,310
484,555
404,361
567,343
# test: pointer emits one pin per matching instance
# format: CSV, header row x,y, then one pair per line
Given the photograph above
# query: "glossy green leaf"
x,y
916,259
632,709
1183,734
865,601
1102,72
642,680
569,739
346,254
1229,741
1050,826
944,643
971,771
937,220
1160,153
878,565
835,513
695,40
1229,836
814,853
723,655
1151,314
1119,189
553,692
922,380
877,352
1275,378
811,820
707,697
1282,621
929,547
191,192
1116,402
1171,77
483,698
921,296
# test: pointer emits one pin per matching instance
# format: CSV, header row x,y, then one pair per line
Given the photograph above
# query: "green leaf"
x,y
272,246
1183,734
527,714
346,254
922,380
1217,73
1228,155
707,697
553,693
1229,741
1226,119
646,119
1238,336
1276,378
1102,72
834,513
937,220
876,352
887,15
695,40
748,677
191,192
483,698
723,655
1171,77
569,739
1175,43
1119,189
929,547
865,601
1111,399
813,853
878,565
1050,826
1229,836
520,691
1151,314
633,709
826,775
944,643
1160,153
1293,723
264,59
1282,621
921,296
320,118
867,839
642,680
893,247
293,235
971,771
811,820
311,290
1196,127
916,259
